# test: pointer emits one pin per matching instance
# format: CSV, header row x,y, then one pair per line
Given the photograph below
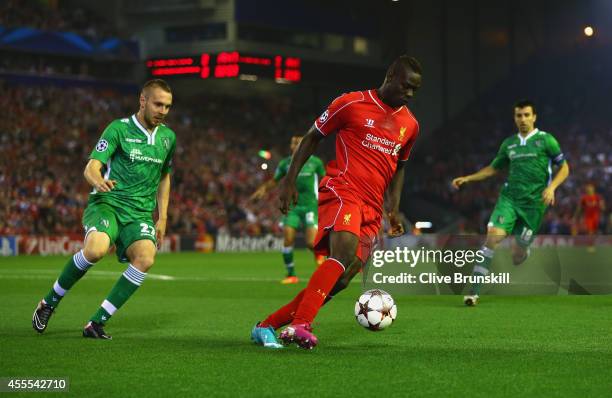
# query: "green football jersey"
x,y
136,159
307,182
529,161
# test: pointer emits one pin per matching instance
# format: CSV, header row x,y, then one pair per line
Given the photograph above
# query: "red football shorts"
x,y
591,223
341,210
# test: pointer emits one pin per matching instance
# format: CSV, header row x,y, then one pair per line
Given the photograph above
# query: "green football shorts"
x,y
302,215
102,217
522,222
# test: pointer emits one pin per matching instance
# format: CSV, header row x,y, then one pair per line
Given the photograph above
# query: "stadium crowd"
x,y
48,132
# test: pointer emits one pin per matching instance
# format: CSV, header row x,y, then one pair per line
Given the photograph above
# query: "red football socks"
x,y
319,286
284,315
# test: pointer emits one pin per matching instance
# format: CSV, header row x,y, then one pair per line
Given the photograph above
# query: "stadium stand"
x,y
54,16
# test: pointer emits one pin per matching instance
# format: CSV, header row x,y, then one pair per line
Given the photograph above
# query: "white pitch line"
x,y
226,279
42,274
46,273
114,274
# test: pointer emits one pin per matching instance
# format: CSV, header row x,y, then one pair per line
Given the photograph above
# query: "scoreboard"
x,y
226,65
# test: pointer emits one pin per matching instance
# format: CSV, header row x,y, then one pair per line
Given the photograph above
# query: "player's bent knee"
x,y
96,246
94,253
345,255
289,241
143,263
494,237
142,254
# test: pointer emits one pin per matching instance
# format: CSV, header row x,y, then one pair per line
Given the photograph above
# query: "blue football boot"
x,y
265,337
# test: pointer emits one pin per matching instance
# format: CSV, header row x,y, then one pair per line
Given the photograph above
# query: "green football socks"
x,y
482,268
127,284
288,259
74,270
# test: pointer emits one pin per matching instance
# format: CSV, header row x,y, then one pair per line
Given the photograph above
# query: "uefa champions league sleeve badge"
x,y
101,145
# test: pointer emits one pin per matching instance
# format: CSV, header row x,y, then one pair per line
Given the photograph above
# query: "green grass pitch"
x,y
188,335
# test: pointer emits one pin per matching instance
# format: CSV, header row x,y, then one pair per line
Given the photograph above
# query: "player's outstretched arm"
x,y
263,189
548,195
481,174
93,175
394,193
287,190
163,199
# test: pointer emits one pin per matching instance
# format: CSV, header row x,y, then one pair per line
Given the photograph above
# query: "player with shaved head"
x,y
375,132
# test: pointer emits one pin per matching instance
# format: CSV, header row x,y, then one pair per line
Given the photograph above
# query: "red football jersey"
x,y
591,205
372,137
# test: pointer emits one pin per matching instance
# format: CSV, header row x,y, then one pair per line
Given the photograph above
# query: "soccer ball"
x,y
375,310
